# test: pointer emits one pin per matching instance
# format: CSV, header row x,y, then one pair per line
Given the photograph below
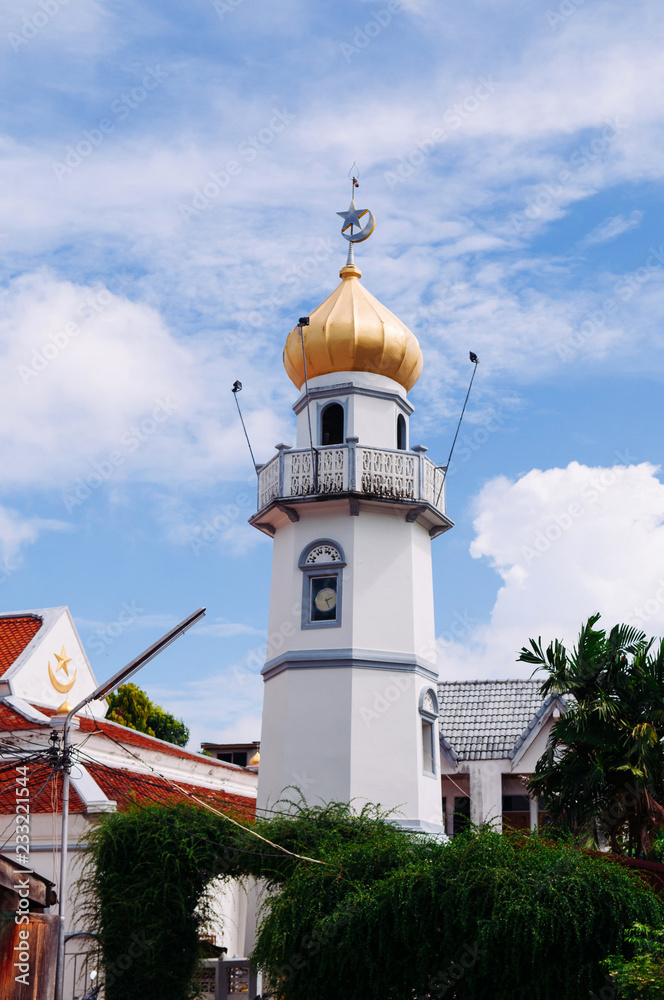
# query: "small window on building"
x,y
322,564
429,724
516,812
401,432
332,424
516,803
428,752
461,813
234,757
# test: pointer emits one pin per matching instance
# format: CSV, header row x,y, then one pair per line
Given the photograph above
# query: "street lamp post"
x,y
100,692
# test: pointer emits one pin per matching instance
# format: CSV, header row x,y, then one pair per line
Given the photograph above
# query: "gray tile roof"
x,y
488,720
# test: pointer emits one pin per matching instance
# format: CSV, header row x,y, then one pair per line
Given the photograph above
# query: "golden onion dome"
x,y
353,331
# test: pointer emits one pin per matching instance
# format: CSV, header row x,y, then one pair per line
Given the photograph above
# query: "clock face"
x,y
326,599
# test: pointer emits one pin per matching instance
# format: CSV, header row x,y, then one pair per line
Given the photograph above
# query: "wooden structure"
x,y
28,935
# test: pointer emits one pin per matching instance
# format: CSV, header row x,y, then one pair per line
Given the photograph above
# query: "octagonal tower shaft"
x,y
350,709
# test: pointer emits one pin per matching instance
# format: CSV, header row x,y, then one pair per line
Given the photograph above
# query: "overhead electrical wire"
x,y
210,808
33,801
43,753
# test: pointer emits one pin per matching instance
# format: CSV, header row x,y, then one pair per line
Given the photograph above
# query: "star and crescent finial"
x,y
352,218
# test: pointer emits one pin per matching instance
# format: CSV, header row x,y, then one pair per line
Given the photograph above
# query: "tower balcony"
x,y
376,474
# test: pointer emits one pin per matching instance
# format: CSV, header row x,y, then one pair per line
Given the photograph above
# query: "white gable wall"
x,y
28,676
526,759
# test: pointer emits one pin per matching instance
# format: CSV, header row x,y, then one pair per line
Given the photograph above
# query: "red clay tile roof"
x,y
115,731
127,787
11,719
124,787
15,634
133,738
45,789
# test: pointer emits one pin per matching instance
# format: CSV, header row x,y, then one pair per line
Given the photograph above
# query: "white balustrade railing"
x,y
332,471
433,484
268,482
387,473
377,472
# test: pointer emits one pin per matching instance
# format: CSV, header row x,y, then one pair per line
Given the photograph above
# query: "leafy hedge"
x,y
388,915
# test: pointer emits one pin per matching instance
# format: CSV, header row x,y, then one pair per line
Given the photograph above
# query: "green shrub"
x,y
388,915
488,916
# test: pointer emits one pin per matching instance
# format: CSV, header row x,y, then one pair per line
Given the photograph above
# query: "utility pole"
x,y
65,762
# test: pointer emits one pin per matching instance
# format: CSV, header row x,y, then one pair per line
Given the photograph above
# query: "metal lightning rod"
x,y
304,321
237,387
475,360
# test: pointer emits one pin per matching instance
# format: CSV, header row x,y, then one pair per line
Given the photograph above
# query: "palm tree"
x,y
603,770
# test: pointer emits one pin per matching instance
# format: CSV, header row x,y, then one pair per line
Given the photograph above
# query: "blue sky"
x,y
170,178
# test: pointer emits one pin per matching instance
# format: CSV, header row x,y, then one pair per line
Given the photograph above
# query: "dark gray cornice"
x,y
364,659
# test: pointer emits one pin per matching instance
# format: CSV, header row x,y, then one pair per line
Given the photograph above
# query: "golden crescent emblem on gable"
x,y
62,688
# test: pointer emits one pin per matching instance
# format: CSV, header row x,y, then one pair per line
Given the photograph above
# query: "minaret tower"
x,y
350,711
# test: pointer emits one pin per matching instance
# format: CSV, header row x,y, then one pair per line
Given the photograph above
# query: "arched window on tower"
x,y
332,424
401,432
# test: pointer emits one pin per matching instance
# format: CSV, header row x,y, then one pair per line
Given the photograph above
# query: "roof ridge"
x,y
31,612
497,680
173,748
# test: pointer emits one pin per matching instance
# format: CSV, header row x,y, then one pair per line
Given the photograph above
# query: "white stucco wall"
x,y
387,599
486,793
306,735
370,418
341,720
525,762
347,734
386,748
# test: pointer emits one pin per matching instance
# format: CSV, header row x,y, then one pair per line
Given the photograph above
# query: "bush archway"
x,y
387,915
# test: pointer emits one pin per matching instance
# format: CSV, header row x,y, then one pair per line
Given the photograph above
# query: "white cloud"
x,y
222,526
499,161
129,616
16,531
610,228
97,389
223,630
245,727
32,28
120,208
566,543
